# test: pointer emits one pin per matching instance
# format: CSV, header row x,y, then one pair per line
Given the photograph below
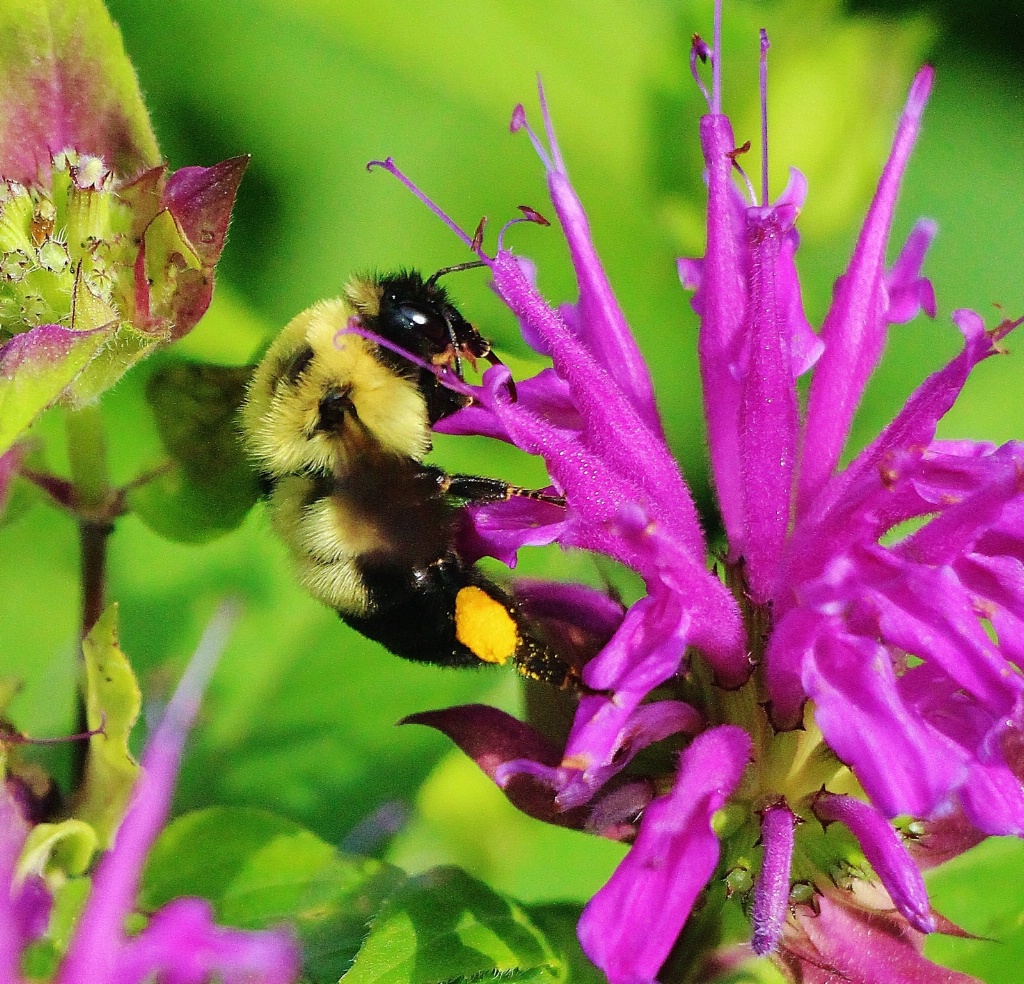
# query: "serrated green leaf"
x,y
329,905
211,486
65,81
258,869
36,368
112,701
444,925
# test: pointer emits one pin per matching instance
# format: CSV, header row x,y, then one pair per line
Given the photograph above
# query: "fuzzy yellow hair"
x,y
325,539
280,413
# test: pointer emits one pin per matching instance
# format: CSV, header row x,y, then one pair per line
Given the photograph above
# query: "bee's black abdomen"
x,y
415,612
452,615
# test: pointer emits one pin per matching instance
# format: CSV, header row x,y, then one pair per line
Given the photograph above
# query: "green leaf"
x,y
67,847
65,81
258,869
980,892
558,920
113,701
443,926
211,486
206,852
36,368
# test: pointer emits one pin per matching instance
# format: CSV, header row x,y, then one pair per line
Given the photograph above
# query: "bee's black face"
x,y
418,317
335,406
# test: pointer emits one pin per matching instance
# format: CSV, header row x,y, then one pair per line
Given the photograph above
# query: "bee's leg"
x,y
511,383
476,488
535,661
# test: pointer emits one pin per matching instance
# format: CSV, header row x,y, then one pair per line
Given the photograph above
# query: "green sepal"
x,y
444,925
210,486
126,347
170,260
113,702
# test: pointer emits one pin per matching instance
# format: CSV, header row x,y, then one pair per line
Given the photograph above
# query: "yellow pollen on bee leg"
x,y
485,626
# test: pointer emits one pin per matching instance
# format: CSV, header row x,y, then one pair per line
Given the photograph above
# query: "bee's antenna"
x,y
469,265
484,348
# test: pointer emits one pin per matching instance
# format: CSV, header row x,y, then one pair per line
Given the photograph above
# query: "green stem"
x,y
92,539
87,453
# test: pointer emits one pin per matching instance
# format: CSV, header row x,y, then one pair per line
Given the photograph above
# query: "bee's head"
x,y
418,316
320,399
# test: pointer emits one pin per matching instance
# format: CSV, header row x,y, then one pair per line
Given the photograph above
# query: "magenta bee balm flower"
x,y
829,673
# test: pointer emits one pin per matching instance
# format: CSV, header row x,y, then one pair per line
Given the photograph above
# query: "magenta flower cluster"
x,y
851,673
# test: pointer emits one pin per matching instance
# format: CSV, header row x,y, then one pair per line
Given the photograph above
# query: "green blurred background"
x,y
302,711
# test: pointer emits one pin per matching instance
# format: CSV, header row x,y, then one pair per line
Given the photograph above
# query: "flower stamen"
x,y
734,155
529,215
388,164
520,122
699,50
765,45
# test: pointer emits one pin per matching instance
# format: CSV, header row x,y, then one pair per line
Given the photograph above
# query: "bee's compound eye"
x,y
413,315
335,406
426,323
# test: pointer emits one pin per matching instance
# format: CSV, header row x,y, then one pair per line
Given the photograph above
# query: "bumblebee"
x,y
338,421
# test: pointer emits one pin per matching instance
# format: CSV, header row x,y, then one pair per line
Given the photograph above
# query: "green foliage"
x,y
301,716
980,892
210,486
558,922
112,704
444,925
258,870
